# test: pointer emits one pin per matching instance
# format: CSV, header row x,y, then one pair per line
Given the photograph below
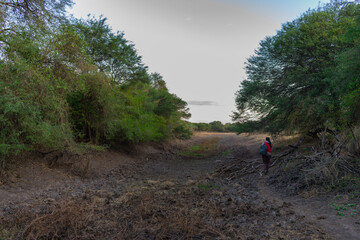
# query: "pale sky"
x,y
198,46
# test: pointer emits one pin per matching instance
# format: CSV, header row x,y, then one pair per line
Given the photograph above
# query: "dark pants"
x,y
266,162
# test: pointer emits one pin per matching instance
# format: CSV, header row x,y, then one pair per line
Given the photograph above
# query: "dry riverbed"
x,y
209,187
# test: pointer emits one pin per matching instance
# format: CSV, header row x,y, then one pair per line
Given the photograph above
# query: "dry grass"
x,y
68,219
160,209
150,212
157,211
204,149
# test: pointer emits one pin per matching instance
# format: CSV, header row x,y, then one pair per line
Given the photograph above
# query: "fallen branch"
x,y
288,152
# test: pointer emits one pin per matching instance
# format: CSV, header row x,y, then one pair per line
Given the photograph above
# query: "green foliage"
x,y
89,107
305,75
345,209
215,126
135,115
11,108
30,9
129,128
202,127
348,65
34,111
347,184
140,107
45,14
247,127
134,123
207,186
111,52
66,84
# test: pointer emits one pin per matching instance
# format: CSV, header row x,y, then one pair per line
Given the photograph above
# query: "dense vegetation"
x,y
306,77
67,81
305,80
215,126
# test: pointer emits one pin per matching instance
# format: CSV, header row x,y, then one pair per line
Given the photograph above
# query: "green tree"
x,y
43,13
216,126
202,127
111,52
63,83
345,78
289,84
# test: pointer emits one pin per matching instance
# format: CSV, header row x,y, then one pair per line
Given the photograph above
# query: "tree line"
x,y
306,77
214,126
65,81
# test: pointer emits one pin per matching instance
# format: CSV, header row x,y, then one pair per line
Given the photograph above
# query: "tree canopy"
x,y
111,52
68,81
306,76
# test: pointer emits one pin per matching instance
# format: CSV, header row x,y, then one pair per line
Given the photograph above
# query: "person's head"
x,y
268,139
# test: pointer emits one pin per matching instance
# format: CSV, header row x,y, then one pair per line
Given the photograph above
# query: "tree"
x,y
345,78
111,52
66,82
22,12
288,85
216,126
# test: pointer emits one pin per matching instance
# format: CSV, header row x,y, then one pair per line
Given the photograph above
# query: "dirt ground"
x,y
209,187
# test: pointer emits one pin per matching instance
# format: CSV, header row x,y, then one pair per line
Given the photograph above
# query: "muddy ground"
x,y
209,187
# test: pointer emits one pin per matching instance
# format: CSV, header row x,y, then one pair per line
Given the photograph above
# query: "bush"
x,y
55,94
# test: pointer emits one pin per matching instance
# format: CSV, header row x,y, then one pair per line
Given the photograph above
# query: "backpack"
x,y
263,149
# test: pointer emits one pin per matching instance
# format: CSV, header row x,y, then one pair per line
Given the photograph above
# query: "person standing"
x,y
265,151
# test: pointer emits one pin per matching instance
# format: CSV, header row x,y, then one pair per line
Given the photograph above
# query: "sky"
x,y
199,46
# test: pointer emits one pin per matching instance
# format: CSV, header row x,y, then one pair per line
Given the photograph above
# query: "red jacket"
x,y
269,146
